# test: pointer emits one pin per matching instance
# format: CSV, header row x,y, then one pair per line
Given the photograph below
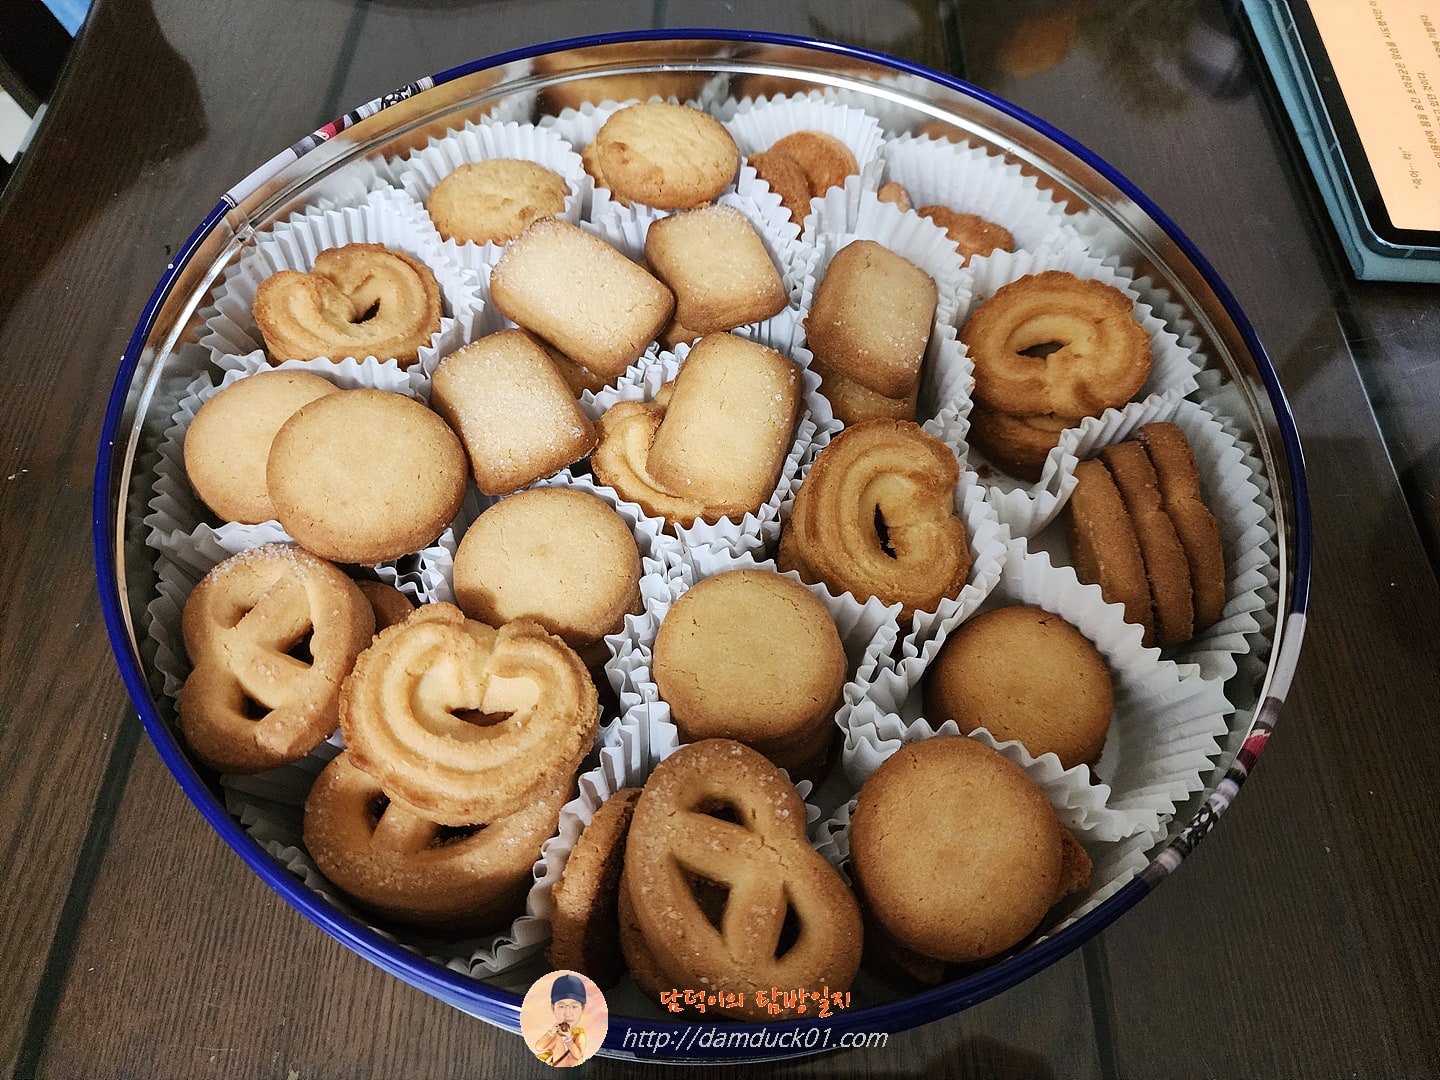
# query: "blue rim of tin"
x,y
743,1041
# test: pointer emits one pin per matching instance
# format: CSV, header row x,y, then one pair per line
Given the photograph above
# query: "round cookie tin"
x,y
365,176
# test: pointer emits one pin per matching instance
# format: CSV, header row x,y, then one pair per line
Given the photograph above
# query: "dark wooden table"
x,y
1300,940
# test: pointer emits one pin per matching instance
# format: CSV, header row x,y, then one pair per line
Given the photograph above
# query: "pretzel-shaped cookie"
x,y
465,722
271,634
1057,343
359,300
393,860
876,517
776,882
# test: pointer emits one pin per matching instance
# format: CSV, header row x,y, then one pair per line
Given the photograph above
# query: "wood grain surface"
x,y
1299,940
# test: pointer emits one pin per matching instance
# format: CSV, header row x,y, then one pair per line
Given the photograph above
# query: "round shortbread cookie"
x,y
556,555
1058,700
364,476
585,928
752,656
492,201
955,850
671,157
228,441
391,606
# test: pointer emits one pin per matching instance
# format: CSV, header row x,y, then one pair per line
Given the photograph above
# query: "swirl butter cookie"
x,y
357,300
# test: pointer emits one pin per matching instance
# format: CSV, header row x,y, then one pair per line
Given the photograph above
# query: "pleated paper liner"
x,y
1028,508
971,180
761,527
1162,739
422,170
1230,477
388,217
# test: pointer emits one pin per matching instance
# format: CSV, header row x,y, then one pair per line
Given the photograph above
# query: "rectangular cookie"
x,y
580,294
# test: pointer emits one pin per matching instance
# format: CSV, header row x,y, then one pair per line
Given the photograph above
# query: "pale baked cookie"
x,y
1104,547
1058,701
893,192
392,860
270,634
585,928
1195,525
956,851
228,441
753,656
712,443
556,555
463,722
1166,568
577,376
581,295
715,263
671,157
718,826
512,409
871,316
364,476
358,300
492,201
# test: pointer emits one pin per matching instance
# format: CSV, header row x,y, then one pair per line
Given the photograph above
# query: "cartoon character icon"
x,y
569,1035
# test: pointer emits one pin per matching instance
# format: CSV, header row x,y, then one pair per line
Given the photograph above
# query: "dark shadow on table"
x,y
149,93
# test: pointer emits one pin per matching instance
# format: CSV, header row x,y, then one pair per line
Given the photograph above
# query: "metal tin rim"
x,y
501,1007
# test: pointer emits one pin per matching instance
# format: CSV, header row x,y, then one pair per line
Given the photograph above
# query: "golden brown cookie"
x,y
712,443
787,179
715,263
893,192
1104,546
270,633
391,606
875,516
492,201
364,475
1056,343
581,295
585,928
851,403
465,723
228,441
716,818
671,157
824,159
1166,567
971,234
513,410
871,317
1195,525
1018,445
1059,700
556,555
753,656
392,860
954,850
358,300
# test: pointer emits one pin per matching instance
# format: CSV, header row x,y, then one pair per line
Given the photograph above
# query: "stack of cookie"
x,y
1139,528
